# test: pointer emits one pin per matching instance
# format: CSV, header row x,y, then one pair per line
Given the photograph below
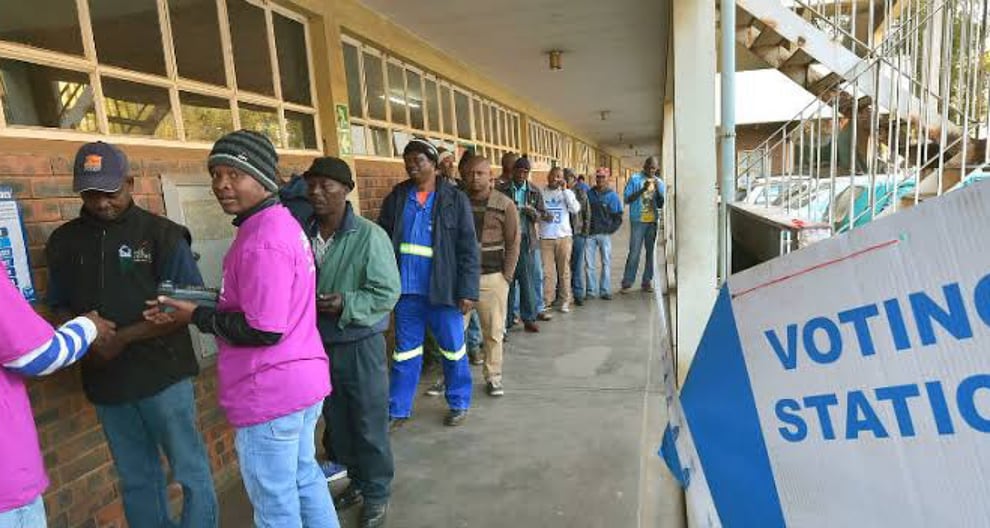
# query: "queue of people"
x,y
309,290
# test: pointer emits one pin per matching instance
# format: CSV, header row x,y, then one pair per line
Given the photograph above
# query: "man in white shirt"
x,y
556,240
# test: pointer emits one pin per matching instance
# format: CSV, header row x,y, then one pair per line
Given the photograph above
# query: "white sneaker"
x,y
565,307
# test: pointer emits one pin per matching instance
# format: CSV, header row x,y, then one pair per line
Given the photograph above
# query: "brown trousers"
x,y
493,301
556,254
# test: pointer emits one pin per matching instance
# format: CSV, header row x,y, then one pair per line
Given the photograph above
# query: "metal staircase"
x,y
902,110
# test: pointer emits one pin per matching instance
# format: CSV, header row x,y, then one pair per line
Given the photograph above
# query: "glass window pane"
x,y
36,95
432,108
381,141
447,110
301,130
374,78
462,107
205,118
293,61
479,122
137,109
252,57
397,94
359,142
414,98
490,124
353,72
502,126
58,30
400,139
261,119
129,38
198,52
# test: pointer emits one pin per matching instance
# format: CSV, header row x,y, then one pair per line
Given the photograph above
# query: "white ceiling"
x,y
614,57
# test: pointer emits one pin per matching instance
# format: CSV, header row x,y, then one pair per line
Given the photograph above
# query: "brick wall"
x,y
84,490
375,180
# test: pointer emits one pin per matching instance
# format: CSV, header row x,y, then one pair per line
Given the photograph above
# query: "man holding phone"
x,y
357,286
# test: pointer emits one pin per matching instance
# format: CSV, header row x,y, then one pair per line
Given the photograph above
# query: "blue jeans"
x,y
641,234
135,432
599,284
538,278
522,288
30,515
577,266
472,335
283,480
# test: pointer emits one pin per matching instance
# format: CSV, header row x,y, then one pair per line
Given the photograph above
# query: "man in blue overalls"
x,y
432,228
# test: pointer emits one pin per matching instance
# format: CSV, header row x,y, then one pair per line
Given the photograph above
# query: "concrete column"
x,y
695,208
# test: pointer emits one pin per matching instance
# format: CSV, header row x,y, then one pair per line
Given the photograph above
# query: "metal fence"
x,y
908,123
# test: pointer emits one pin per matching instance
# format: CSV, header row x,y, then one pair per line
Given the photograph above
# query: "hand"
x,y
179,311
466,306
104,329
330,303
531,212
107,349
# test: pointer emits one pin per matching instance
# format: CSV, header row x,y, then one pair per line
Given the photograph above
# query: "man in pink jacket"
x,y
30,347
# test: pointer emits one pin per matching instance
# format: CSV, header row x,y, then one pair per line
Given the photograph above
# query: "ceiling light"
x,y
555,60
605,114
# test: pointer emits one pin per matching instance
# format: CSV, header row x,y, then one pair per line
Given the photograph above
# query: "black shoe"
x,y
475,358
373,515
455,417
350,497
607,297
436,389
495,389
579,302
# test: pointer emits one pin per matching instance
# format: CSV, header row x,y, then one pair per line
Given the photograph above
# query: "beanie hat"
x,y
334,168
424,147
250,152
523,163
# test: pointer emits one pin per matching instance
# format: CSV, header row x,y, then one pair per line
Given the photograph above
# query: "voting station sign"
x,y
848,384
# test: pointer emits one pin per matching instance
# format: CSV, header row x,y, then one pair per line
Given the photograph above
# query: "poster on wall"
x,y
13,244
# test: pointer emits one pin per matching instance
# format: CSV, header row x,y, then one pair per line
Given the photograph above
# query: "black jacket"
x,y
113,268
534,199
456,269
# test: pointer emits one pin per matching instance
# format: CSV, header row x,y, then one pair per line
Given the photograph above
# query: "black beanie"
x,y
424,147
250,152
334,168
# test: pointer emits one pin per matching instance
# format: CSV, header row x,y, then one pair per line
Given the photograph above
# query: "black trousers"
x,y
356,415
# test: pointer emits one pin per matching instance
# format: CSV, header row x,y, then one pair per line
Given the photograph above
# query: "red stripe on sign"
x,y
816,267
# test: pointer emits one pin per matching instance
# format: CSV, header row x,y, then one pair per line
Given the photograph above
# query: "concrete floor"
x,y
572,444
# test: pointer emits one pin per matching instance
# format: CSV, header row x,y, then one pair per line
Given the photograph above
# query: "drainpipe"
x,y
727,135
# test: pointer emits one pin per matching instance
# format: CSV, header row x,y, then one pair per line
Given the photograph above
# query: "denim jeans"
x,y
523,286
599,283
283,480
135,432
538,277
640,234
472,335
577,266
31,515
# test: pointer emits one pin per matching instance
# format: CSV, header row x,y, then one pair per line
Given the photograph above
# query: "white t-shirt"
x,y
560,203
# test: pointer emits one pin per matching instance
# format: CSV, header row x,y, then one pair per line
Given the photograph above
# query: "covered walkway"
x,y
572,444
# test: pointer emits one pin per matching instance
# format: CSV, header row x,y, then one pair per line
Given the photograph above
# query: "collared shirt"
x,y
321,246
416,249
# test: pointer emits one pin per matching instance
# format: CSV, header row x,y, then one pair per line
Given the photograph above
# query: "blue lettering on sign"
x,y
935,317
908,403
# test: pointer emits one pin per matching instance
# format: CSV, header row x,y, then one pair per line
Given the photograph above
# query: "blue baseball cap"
x,y
100,167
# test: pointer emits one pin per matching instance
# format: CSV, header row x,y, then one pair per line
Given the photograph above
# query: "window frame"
x,y
89,65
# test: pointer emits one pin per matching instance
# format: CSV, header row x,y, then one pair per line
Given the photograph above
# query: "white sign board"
x,y
13,245
848,383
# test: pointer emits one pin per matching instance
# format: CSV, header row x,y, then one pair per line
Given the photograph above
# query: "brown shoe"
x,y
545,316
531,328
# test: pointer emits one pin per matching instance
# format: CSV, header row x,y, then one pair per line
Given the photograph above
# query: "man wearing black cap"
x,y
357,287
111,259
432,228
529,200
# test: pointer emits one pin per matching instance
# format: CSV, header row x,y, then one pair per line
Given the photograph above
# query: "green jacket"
x,y
360,265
